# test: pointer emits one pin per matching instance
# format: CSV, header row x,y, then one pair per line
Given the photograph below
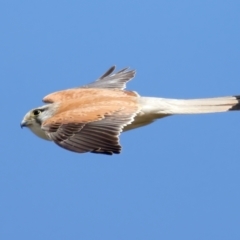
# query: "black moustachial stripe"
x,y
38,121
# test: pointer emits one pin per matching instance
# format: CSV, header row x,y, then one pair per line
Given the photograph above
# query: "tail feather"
x,y
190,106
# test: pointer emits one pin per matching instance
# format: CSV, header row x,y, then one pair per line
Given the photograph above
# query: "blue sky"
x,y
175,179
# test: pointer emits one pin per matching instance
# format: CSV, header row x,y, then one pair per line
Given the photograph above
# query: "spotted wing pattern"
x,y
99,136
84,94
91,118
108,81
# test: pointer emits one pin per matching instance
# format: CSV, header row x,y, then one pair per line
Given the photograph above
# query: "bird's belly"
x,y
142,119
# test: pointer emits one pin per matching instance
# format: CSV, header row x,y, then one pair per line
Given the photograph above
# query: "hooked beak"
x,y
24,124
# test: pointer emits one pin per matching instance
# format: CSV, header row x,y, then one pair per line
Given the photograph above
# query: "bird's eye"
x,y
36,112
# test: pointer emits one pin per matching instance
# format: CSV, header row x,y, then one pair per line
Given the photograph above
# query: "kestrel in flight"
x,y
90,118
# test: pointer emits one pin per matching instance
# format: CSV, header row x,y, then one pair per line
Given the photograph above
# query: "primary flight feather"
x,y
90,118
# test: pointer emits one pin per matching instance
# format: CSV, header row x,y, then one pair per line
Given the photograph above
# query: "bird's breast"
x,y
39,132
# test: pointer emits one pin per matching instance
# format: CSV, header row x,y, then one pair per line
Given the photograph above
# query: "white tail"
x,y
167,106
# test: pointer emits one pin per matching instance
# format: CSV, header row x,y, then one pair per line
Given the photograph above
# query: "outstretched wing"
x,y
93,129
110,84
112,80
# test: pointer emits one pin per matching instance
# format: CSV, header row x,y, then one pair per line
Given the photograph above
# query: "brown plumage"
x,y
91,118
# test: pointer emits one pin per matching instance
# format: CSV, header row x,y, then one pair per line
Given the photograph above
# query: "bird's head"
x,y
34,119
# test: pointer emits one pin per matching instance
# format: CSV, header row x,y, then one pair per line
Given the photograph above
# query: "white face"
x,y
34,118
36,129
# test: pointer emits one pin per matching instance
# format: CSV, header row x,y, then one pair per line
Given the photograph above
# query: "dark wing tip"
x,y
108,72
113,80
106,152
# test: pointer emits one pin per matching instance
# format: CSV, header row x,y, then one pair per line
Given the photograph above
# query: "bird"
x,y
91,118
